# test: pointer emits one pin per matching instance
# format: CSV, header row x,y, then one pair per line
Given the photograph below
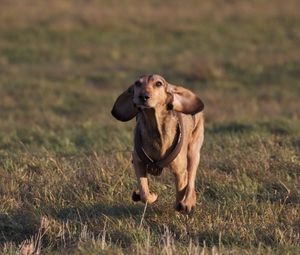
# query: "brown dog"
x,y
169,133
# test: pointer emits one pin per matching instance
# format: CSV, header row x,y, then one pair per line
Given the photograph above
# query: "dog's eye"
x,y
158,84
138,84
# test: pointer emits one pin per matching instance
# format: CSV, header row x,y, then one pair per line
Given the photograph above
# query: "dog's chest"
x,y
156,145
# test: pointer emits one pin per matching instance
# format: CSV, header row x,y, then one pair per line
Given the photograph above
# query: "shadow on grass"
x,y
275,192
100,211
86,213
213,238
23,224
17,226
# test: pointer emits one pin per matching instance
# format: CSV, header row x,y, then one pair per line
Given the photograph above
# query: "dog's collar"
x,y
156,167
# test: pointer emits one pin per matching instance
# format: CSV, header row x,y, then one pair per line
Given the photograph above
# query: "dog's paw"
x,y
187,205
184,208
150,198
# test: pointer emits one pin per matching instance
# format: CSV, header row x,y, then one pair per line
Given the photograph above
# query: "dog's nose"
x,y
144,97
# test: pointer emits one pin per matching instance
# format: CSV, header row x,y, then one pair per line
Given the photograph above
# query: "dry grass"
x,y
65,168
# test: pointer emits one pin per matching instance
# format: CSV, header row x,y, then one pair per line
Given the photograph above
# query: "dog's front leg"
x,y
143,194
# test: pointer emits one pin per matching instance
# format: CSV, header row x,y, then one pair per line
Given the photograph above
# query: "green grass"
x,y
65,163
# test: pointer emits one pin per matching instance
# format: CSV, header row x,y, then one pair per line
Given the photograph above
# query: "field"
x,y
65,162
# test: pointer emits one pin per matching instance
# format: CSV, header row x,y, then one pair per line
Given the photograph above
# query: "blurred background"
x,y
62,65
63,62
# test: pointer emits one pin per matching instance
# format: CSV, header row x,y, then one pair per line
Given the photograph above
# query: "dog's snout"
x,y
144,97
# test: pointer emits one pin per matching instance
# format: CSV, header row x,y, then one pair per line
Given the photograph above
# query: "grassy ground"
x,y
65,168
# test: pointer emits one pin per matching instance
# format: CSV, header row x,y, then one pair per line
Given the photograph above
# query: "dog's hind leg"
x,y
193,158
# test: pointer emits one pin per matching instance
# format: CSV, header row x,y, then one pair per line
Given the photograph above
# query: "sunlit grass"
x,y
65,164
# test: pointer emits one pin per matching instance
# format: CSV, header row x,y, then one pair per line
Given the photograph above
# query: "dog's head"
x,y
151,91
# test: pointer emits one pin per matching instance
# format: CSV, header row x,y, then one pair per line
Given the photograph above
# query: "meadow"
x,y
65,163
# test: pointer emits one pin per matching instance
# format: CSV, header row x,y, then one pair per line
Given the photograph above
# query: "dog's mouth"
x,y
142,105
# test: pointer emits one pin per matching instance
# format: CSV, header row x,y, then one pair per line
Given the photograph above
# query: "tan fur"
x,y
157,124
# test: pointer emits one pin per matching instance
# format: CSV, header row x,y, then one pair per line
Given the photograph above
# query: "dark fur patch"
x,y
169,101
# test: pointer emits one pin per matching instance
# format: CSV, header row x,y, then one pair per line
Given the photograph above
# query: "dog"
x,y
169,133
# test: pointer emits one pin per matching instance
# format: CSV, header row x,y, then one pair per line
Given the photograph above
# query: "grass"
x,y
65,163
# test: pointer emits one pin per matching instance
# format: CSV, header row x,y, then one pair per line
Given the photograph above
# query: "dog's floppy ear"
x,y
184,100
124,109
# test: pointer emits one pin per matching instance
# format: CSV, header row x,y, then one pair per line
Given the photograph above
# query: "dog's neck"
x,y
158,129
